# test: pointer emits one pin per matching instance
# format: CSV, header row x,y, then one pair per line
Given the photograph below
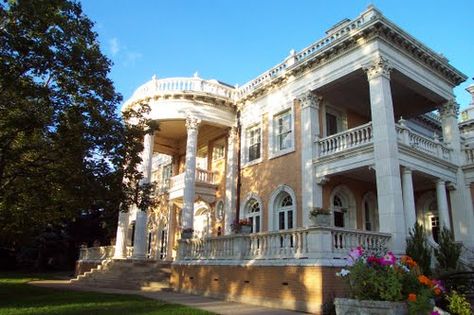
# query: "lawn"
x,y
17,297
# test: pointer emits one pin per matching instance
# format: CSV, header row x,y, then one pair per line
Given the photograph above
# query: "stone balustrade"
x,y
345,140
419,142
100,253
157,87
305,243
202,176
307,53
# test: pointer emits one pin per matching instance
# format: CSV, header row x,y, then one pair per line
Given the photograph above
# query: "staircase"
x,y
127,274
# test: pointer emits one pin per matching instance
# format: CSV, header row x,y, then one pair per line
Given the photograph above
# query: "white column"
x,y
442,200
121,237
461,202
312,193
387,165
171,231
141,233
192,125
140,239
408,199
231,181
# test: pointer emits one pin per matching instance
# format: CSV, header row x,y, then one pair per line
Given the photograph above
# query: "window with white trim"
x,y
283,131
252,212
254,140
220,210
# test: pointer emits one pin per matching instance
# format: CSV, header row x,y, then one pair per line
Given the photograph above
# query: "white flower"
x,y
343,273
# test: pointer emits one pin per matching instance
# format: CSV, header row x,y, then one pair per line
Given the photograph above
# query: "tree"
x,y
418,248
63,149
448,252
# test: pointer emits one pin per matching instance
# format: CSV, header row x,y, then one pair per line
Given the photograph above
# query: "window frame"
x,y
245,155
274,134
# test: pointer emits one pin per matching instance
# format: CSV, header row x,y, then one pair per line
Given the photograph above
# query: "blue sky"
x,y
234,41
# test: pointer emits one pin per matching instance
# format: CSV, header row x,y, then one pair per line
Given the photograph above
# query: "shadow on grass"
x,y
17,297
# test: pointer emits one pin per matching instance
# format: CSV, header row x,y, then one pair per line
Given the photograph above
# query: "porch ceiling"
x,y
352,92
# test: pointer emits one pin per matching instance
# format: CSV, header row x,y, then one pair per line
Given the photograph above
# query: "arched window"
x,y
202,222
253,213
343,207
284,211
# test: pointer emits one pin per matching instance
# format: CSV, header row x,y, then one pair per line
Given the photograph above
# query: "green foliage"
x,y
458,304
448,252
375,283
418,248
64,152
423,303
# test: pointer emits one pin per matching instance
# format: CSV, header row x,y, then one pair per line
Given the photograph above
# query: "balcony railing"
x,y
309,243
431,146
100,253
202,176
345,140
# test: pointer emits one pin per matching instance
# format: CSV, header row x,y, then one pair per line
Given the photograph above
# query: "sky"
x,y
235,41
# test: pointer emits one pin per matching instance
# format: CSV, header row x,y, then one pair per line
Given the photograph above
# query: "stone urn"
x,y
245,229
356,307
320,219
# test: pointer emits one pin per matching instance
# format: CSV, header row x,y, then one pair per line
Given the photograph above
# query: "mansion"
x,y
361,125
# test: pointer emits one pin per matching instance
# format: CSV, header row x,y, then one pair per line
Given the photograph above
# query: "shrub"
x,y
458,304
418,248
448,252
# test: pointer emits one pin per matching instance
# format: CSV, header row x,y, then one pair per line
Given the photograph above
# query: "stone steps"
x,y
128,274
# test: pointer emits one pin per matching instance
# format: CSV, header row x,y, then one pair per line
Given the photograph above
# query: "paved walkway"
x,y
196,301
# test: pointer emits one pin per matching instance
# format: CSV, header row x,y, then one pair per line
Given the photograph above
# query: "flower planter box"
x,y
321,219
356,307
245,229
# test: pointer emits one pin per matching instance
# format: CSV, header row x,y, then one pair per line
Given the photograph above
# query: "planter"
x,y
245,229
321,219
356,307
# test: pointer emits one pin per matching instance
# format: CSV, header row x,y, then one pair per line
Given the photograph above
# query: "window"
x,y
218,152
339,210
253,214
283,131
285,211
331,124
253,143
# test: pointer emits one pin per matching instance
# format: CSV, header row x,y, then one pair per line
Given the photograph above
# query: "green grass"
x,y
17,297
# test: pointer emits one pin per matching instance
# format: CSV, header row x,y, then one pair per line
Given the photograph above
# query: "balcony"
x,y
310,244
353,148
205,185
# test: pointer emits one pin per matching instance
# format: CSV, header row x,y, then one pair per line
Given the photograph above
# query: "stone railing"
x,y
348,139
305,243
96,253
431,146
202,176
157,87
339,33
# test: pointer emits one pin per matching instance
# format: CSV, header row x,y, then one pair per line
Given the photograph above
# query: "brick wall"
x,y
304,288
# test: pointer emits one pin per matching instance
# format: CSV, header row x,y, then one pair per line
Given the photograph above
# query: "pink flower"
x,y
437,284
435,313
372,260
355,254
388,260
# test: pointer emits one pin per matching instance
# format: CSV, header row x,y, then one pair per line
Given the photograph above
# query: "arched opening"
x,y
343,207
427,214
202,220
284,210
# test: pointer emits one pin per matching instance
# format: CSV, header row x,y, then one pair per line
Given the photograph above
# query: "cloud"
x,y
114,46
131,57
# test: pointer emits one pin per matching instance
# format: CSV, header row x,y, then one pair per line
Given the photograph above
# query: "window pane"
x,y
257,224
290,219
331,124
281,220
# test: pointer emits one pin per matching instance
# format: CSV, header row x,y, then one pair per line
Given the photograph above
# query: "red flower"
x,y
412,297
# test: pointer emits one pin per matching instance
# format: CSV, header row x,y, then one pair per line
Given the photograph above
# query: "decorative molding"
x,y
309,99
450,108
380,66
192,123
232,134
322,180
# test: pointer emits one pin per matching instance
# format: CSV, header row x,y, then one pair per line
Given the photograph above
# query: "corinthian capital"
x,y
309,99
232,134
192,122
450,108
380,66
